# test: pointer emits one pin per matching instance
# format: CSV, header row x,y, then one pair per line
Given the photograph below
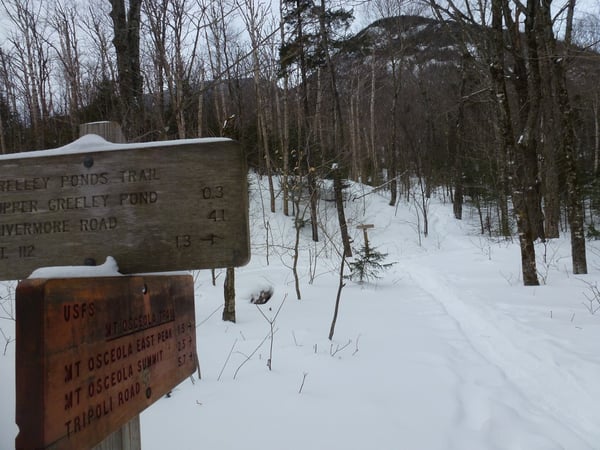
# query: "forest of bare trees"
x,y
492,103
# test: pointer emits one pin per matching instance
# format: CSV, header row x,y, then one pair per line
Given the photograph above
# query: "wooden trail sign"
x,y
154,207
364,227
94,352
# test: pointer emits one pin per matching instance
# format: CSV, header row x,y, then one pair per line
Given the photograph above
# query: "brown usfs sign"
x,y
94,352
154,207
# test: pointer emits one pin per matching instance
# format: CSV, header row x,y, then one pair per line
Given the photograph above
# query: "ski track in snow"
x,y
534,376
548,386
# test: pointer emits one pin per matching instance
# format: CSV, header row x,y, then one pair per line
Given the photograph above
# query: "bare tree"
x,y
295,48
256,16
283,114
521,151
31,63
64,20
126,41
174,28
101,64
567,126
11,132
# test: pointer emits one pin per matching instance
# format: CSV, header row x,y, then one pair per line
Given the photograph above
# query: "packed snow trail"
x,y
525,361
552,370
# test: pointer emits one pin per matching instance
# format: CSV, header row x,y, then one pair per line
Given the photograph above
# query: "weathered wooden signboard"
x,y
154,207
94,352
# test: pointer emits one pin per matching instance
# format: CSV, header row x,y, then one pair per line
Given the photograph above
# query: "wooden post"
x,y
129,436
364,228
110,131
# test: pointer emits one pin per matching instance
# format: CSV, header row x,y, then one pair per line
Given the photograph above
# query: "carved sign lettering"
x,y
161,207
94,352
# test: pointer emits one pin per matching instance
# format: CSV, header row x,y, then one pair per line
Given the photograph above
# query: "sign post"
x,y
92,353
364,227
163,206
95,352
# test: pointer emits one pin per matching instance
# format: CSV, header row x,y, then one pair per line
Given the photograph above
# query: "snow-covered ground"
x,y
446,351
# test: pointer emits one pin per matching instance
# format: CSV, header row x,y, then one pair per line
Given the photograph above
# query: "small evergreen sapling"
x,y
368,264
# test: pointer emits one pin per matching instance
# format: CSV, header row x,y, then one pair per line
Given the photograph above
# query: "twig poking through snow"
x,y
227,360
593,298
272,325
303,380
356,346
8,340
252,354
295,341
333,352
210,315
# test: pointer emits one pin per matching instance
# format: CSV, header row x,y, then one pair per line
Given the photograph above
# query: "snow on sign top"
x,y
99,144
154,207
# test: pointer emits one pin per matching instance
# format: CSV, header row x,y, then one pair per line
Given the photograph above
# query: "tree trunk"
x,y
393,149
338,297
313,199
506,143
552,193
596,111
3,149
457,204
372,175
339,203
574,197
284,124
503,193
285,144
126,28
229,295
296,257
